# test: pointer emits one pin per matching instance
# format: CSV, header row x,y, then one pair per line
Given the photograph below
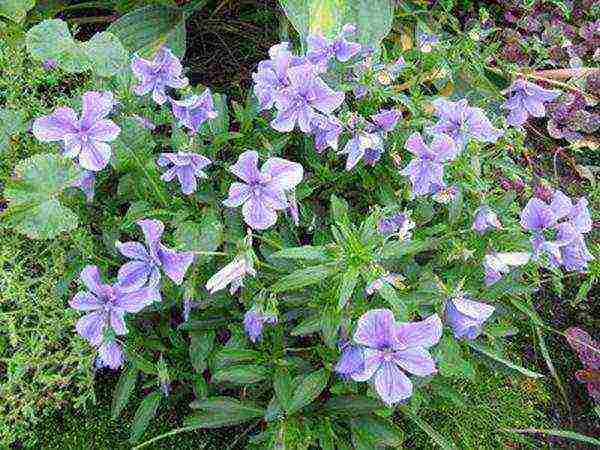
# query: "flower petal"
x,y
111,355
375,329
372,360
134,274
133,250
94,155
279,173
55,126
85,301
91,327
239,193
95,106
104,130
90,276
134,302
246,167
117,321
153,230
258,215
416,360
425,333
175,264
392,384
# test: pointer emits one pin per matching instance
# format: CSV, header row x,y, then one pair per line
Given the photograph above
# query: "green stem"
x,y
166,435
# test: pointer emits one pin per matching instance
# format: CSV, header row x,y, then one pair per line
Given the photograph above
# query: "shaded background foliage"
x,y
45,367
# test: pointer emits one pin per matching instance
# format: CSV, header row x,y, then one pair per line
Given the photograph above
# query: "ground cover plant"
x,y
357,238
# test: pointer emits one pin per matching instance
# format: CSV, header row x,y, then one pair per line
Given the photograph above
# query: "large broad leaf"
x,y
145,30
144,414
12,122
205,236
34,208
51,39
308,390
15,10
221,412
450,360
373,18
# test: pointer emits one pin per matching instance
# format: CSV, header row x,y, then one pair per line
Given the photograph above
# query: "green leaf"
x,y
222,412
134,142
450,361
560,433
144,414
106,54
500,359
145,30
15,10
308,390
352,405
455,208
284,388
220,124
347,285
375,431
49,39
241,374
339,209
307,326
307,252
304,277
33,205
205,236
399,249
12,122
433,434
201,344
123,390
228,356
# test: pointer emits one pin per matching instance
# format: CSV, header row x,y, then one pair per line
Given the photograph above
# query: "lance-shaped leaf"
x,y
15,10
34,208
308,390
145,30
220,412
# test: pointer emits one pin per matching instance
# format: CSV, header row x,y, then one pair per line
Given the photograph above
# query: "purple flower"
x,y
327,131
163,71
384,121
389,347
106,306
292,209
254,321
86,137
271,76
466,316
186,167
485,219
232,274
367,146
110,355
86,184
193,111
568,221
446,195
497,265
303,99
427,41
351,362
462,122
387,74
321,50
148,260
263,192
49,64
526,99
426,170
399,224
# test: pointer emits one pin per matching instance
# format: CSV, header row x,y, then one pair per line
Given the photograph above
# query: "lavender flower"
x,y
466,316
49,64
110,355
303,99
148,260
427,41
389,347
426,171
351,362
526,99
321,50
446,195
462,122
186,167
485,219
84,138
327,131
497,265
388,73
106,306
399,224
384,121
367,146
232,274
193,111
163,71
254,321
263,192
86,184
271,76
569,248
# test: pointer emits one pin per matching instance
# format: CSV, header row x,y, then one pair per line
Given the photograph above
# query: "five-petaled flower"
x,y
149,259
485,219
163,71
193,111
496,265
84,138
426,170
186,167
463,122
254,321
466,316
306,97
106,306
388,347
263,192
568,221
321,50
526,99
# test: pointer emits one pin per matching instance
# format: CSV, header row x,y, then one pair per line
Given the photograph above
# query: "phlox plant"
x,y
257,274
